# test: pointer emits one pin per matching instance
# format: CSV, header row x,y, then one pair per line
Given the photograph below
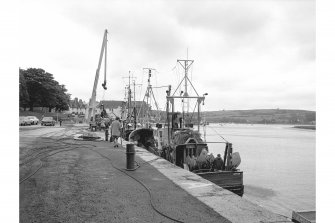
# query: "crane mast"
x,y
91,110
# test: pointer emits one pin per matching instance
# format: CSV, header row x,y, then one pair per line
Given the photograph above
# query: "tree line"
x,y
38,88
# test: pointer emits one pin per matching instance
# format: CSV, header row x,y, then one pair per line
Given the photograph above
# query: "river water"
x,y
278,163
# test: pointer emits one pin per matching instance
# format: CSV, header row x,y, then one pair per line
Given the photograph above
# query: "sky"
x,y
255,54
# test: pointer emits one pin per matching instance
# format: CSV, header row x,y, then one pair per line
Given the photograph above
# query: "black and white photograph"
x,y
166,111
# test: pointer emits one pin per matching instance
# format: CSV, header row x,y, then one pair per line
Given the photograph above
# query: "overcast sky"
x,y
247,54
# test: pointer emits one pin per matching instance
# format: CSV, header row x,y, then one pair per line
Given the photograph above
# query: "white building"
x,y
78,106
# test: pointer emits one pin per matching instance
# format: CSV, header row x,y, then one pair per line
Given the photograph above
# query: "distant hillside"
x,y
267,116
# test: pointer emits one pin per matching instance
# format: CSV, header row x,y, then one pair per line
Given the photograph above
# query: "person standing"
x,y
106,130
115,130
218,163
60,122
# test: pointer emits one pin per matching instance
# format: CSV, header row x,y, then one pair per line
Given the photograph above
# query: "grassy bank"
x,y
262,116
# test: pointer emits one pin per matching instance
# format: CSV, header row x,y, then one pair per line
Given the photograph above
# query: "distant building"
x,y
78,106
114,108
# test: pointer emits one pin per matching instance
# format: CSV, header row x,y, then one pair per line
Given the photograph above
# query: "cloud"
x,y
136,27
248,54
228,17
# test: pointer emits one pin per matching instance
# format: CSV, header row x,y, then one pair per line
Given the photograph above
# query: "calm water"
x,y
278,162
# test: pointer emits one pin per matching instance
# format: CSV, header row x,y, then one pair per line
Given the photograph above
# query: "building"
x,y
78,106
115,108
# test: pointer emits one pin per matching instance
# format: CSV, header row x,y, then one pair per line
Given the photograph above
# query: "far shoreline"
x,y
311,127
302,126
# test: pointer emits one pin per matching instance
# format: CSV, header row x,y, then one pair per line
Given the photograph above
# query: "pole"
x,y
167,113
134,110
186,93
199,103
129,98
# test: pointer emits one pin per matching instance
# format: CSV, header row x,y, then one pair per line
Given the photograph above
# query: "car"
x,y
48,121
33,119
24,120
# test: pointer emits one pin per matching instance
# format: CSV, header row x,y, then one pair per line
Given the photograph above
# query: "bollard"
x,y
106,134
130,152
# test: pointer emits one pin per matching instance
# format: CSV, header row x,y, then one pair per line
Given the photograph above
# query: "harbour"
x,y
187,149
80,181
278,162
160,111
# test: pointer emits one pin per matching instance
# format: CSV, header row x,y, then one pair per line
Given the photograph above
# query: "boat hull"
x,y
230,180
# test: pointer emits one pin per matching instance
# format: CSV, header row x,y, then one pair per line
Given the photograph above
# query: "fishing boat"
x,y
304,216
179,141
147,121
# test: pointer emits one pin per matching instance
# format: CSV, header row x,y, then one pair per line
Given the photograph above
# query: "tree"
x,y
44,91
310,117
24,96
62,99
76,103
40,87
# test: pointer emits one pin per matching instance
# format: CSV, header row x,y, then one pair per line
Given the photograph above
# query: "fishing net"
x,y
180,137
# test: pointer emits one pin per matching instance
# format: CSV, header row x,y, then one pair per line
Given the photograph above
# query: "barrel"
x,y
130,153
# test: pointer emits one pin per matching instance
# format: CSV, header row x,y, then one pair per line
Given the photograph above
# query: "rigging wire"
x,y
195,105
218,134
192,76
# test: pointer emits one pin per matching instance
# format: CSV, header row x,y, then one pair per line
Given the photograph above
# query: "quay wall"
x,y
224,202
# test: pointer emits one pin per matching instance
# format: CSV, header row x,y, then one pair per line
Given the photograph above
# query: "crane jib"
x,y
91,112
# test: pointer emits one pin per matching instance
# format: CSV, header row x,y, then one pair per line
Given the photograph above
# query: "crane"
x,y
91,110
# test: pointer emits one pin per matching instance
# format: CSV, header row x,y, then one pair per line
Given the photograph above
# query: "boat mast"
x,y
128,96
147,96
186,64
134,110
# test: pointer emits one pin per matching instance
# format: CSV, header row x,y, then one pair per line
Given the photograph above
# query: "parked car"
x,y
24,120
33,119
48,121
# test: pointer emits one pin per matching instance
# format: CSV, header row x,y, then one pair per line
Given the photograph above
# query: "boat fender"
x,y
236,160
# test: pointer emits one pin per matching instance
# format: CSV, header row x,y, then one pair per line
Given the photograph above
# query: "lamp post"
x,y
203,102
